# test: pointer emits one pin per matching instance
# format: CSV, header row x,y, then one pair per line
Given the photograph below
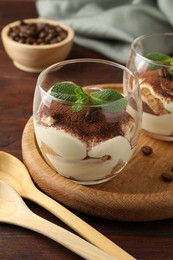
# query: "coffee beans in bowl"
x,y
34,44
37,33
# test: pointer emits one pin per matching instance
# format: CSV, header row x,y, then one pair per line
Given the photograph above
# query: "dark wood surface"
x,y
144,240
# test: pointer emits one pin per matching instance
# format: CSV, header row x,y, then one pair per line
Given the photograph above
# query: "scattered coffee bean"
x,y
147,150
37,33
167,176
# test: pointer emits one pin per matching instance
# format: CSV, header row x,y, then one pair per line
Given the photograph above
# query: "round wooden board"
x,y
138,193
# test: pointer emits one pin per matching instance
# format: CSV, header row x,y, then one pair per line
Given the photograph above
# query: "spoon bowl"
x,y
13,210
8,202
14,173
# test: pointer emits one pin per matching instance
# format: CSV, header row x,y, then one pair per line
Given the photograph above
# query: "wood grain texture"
x,y
137,194
150,240
14,211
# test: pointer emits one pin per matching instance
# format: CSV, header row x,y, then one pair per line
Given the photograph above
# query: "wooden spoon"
x,y
14,172
13,210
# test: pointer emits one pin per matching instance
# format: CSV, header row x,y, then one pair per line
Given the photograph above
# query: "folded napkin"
x,y
109,26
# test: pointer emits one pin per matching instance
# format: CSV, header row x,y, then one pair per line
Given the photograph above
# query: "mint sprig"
x,y
160,58
68,91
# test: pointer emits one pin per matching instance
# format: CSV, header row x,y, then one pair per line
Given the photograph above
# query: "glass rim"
x,y
73,61
144,36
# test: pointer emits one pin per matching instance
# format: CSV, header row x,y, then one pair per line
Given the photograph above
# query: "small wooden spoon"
x,y
13,210
14,172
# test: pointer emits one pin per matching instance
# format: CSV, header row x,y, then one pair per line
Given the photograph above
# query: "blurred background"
x,y
109,26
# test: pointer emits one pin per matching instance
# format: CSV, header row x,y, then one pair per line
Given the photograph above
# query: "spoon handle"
x,y
78,225
27,219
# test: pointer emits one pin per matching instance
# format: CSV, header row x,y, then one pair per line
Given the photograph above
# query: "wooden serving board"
x,y
138,193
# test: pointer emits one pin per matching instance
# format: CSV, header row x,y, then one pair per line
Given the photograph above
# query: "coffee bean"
x,y
48,37
147,150
53,41
37,33
42,35
62,35
29,40
167,176
21,40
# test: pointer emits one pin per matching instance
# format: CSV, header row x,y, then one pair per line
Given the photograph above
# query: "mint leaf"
x,y
115,107
109,95
104,96
159,57
65,91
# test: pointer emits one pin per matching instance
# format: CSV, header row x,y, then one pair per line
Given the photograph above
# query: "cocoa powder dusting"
x,y
77,122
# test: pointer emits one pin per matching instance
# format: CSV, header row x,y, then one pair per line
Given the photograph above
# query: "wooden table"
x,y
145,241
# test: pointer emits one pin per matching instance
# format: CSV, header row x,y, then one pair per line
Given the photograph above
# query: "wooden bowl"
x,y
35,58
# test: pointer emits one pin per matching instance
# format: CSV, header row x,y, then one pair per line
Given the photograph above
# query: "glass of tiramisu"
x,y
151,59
87,118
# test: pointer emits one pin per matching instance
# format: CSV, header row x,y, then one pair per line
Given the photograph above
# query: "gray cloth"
x,y
109,26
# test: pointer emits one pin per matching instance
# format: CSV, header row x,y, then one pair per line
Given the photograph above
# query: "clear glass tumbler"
x,y
151,59
87,118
